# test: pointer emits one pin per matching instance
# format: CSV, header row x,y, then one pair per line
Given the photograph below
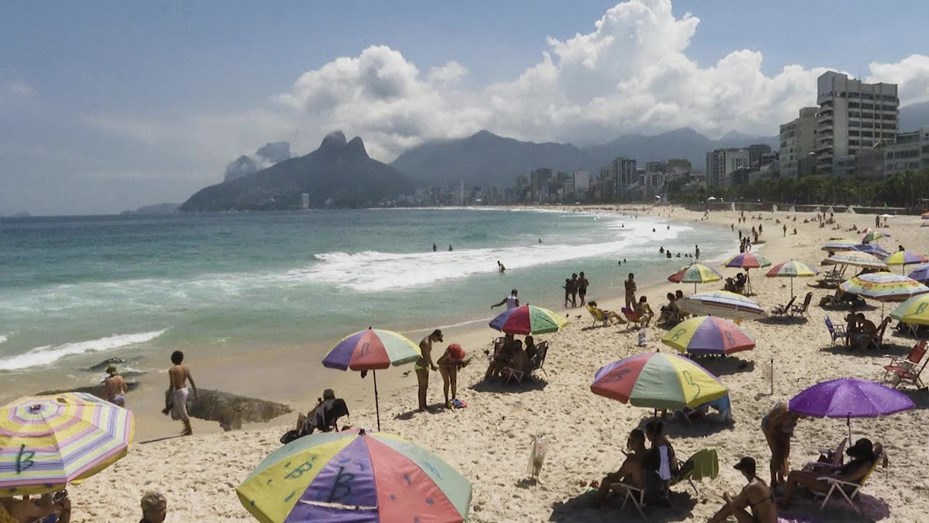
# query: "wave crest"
x,y
47,354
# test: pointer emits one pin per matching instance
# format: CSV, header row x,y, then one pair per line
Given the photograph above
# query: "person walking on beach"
x,y
574,292
423,364
630,291
114,387
511,301
697,252
582,284
569,289
178,376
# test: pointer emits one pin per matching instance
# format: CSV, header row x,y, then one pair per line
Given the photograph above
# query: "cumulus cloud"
x,y
631,73
266,156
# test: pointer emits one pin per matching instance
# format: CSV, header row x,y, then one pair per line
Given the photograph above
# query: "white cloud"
x,y
17,95
631,73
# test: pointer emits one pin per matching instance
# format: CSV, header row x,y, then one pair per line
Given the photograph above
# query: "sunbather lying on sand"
x,y
610,316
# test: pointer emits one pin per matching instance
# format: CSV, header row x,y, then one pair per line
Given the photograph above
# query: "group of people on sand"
x,y
647,467
448,364
575,287
56,508
510,354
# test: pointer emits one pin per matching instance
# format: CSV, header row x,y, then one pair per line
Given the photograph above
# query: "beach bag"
x,y
537,456
643,337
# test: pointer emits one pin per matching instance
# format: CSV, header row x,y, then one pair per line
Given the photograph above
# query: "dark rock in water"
x,y
231,410
96,390
100,367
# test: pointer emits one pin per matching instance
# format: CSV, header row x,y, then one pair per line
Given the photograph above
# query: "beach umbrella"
x,y
883,287
914,311
47,442
707,335
528,319
791,269
871,248
874,235
658,380
919,273
903,258
695,273
353,477
722,303
372,349
849,398
748,260
855,259
840,244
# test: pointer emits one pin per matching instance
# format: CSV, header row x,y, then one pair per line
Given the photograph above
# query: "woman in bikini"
x,y
754,504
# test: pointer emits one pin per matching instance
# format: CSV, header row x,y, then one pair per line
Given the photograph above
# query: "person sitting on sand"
x,y
670,313
863,459
851,328
629,473
13,510
502,356
114,387
178,376
644,310
660,464
610,316
154,507
778,428
753,504
866,332
449,363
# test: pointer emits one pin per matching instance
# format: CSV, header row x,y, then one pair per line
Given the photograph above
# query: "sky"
x,y
107,106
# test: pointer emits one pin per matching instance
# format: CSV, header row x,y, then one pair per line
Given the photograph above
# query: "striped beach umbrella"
x,y
748,260
840,244
707,335
722,303
884,287
47,442
919,273
657,380
856,259
791,269
695,273
372,349
354,476
874,235
528,319
903,258
871,248
913,311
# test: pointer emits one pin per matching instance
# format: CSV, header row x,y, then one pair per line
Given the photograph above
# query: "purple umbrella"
x,y
920,273
870,248
849,398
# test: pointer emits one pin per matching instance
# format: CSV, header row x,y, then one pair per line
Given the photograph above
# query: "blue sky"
x,y
110,105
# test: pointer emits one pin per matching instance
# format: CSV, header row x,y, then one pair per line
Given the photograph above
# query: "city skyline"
x,y
117,106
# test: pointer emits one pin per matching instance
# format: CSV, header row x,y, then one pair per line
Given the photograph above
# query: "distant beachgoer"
x,y
760,230
449,363
540,240
450,248
510,301
154,507
900,248
423,364
630,290
435,247
574,289
795,230
668,253
785,229
114,387
178,376
500,267
624,260
582,285
661,250
653,229
568,289
696,252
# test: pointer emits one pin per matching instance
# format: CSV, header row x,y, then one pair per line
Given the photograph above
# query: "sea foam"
x,y
47,354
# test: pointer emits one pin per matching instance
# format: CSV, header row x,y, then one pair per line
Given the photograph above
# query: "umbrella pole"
x,y
377,407
695,287
848,421
791,287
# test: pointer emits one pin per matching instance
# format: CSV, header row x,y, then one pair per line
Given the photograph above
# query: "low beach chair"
x,y
598,316
630,493
836,333
877,341
782,311
908,369
703,464
830,459
535,363
849,491
801,310
635,321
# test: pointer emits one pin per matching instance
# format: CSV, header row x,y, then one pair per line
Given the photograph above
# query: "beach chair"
x,y
634,494
908,369
782,311
801,310
877,341
633,317
830,459
835,333
703,464
598,316
535,363
848,490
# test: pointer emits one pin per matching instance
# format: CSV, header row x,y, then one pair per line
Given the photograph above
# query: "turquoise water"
x,y
73,288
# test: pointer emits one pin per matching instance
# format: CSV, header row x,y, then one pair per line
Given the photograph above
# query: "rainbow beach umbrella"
x,y
354,477
722,303
748,260
707,335
883,287
695,273
856,259
913,311
47,442
657,380
372,349
528,319
840,244
903,258
874,235
792,269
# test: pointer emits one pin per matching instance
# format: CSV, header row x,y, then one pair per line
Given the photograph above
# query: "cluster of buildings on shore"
x,y
853,131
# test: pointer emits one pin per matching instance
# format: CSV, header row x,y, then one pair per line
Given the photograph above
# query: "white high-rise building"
x,y
798,145
723,162
581,181
852,115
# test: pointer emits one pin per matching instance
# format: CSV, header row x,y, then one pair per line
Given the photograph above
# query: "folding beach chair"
x,y
801,310
877,341
783,311
848,490
635,321
535,363
908,369
633,494
598,316
834,332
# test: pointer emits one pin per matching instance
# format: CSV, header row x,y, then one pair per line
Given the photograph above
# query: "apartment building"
x,y
798,145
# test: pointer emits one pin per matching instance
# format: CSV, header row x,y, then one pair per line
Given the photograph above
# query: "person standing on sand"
x,y
697,252
511,301
423,364
582,284
574,282
449,363
630,291
114,387
178,376
778,428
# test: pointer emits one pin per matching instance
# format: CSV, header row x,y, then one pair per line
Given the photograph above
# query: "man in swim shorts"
x,y
423,364
114,387
179,375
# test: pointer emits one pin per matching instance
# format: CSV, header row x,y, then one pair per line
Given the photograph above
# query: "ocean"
x,y
75,290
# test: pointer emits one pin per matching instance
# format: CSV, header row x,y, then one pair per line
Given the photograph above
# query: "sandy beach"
x,y
489,441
